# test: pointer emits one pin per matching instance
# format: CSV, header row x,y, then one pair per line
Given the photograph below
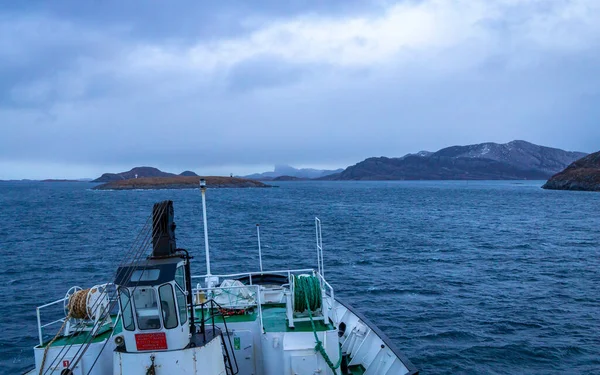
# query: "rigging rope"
x,y
308,297
141,244
134,253
78,310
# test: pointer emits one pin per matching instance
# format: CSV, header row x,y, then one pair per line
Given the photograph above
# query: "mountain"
x,y
286,170
485,161
188,174
584,174
290,178
138,172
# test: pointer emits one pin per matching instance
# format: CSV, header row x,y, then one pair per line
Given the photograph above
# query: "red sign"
x,y
151,341
66,363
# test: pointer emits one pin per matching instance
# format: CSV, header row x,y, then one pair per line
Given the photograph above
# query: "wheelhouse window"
x,y
182,304
180,277
167,304
126,309
151,274
180,292
146,308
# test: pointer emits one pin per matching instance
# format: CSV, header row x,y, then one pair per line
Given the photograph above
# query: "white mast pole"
x,y
203,190
259,249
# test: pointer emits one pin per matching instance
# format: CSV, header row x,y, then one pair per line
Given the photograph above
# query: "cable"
x,y
138,248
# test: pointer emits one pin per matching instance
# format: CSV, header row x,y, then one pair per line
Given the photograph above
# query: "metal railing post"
x,y
39,321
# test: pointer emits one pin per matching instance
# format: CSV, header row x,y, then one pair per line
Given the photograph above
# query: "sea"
x,y
465,277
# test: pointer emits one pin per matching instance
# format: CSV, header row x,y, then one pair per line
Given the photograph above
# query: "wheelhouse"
x,y
153,302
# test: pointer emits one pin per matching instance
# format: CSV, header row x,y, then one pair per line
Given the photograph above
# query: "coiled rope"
x,y
307,293
308,297
78,310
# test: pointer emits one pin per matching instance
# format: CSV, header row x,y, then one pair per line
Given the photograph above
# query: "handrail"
x,y
41,326
39,318
212,318
319,240
258,302
285,272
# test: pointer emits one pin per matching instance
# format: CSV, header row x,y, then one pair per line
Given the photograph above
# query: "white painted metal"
x,y
303,343
204,360
259,248
39,322
276,272
364,345
203,191
319,237
55,367
39,317
176,338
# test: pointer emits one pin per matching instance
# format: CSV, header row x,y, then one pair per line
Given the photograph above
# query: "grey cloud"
x,y
264,110
265,72
183,21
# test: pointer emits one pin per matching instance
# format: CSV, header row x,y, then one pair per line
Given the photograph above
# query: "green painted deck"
x,y
83,337
275,320
250,316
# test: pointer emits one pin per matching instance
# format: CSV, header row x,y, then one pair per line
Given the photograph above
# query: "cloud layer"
x,y
233,89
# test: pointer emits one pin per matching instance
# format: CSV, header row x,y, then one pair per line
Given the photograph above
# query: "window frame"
x,y
158,310
179,291
173,304
132,326
181,286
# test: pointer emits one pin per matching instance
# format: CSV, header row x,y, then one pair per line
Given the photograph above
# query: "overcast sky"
x,y
93,86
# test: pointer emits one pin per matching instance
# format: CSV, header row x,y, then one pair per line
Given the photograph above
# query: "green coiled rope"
x,y
308,297
307,293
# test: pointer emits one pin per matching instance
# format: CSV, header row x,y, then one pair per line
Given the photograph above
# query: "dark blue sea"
x,y
464,277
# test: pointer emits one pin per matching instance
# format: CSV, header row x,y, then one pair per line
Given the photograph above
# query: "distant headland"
x,y
583,174
516,160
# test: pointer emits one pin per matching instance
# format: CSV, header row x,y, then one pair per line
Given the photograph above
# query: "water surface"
x,y
464,277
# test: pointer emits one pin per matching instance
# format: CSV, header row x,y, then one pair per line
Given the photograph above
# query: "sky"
x,y
88,87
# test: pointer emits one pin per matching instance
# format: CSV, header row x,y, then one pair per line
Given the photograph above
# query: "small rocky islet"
x,y
179,182
149,178
582,175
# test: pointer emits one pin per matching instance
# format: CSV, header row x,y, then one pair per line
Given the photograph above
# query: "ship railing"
x,y
209,294
257,273
41,326
56,312
326,288
324,284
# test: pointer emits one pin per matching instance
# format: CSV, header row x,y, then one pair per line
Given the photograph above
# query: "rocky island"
x,y
583,174
179,182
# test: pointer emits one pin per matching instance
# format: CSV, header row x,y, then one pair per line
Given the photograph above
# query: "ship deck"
x,y
83,337
273,315
274,319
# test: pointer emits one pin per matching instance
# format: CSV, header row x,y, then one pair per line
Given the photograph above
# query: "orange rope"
x,y
77,309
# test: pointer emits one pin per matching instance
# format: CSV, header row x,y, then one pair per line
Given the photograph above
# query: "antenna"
x,y
203,191
259,249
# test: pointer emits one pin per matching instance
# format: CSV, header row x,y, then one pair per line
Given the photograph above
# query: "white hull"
x,y
260,353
